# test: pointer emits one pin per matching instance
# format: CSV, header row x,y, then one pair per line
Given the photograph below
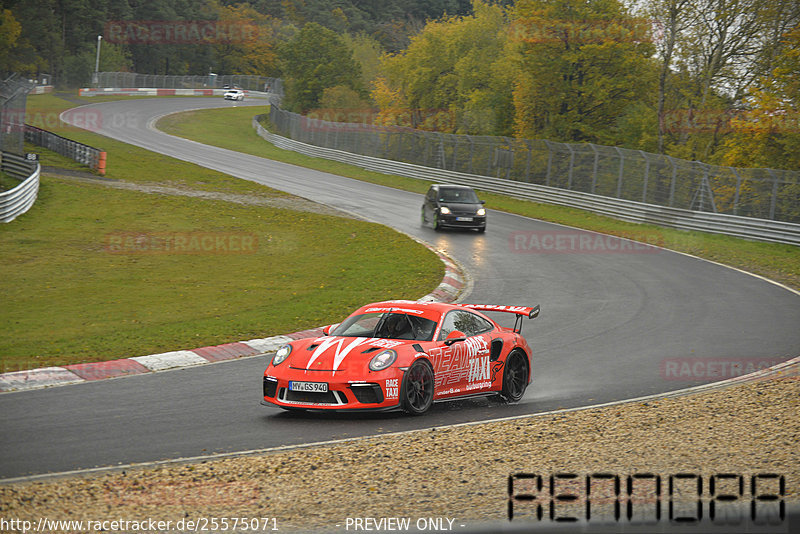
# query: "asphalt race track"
x,y
612,324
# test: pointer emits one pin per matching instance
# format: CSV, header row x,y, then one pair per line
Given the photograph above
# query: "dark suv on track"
x,y
454,206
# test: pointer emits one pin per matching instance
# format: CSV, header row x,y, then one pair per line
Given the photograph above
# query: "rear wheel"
x,y
515,376
416,393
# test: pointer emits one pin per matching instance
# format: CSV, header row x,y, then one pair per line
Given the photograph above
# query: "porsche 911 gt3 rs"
x,y
403,355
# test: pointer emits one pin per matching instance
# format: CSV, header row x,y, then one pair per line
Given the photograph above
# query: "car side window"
x,y
463,321
431,196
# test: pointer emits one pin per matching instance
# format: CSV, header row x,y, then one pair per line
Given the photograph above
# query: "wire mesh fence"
x,y
13,98
93,158
603,170
209,81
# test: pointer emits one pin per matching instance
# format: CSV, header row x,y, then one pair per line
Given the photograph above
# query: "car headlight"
x,y
481,212
382,360
444,210
282,354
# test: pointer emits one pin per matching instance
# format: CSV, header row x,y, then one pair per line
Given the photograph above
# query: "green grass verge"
x,y
8,182
775,261
69,296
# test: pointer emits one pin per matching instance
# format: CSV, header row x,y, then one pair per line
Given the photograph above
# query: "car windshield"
x,y
467,196
387,325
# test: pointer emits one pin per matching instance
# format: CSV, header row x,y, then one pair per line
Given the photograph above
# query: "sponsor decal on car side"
x,y
452,364
392,388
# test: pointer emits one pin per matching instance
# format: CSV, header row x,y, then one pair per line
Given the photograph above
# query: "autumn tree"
x,y
314,60
581,64
253,52
767,132
445,80
10,30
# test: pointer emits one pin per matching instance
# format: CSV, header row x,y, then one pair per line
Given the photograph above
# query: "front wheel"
x,y
416,393
515,376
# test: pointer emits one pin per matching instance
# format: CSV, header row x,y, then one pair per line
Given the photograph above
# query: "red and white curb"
x,y
452,286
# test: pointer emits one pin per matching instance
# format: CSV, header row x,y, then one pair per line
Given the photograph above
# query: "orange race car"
x,y
403,355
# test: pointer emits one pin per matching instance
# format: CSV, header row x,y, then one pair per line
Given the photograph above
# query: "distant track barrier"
x,y
155,91
618,208
94,158
18,200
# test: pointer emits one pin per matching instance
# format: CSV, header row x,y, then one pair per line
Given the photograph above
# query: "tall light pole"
x,y
97,60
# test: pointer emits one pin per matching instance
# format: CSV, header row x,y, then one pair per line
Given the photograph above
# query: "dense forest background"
x,y
710,80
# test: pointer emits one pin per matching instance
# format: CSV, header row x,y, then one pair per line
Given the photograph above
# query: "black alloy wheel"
x,y
515,376
416,394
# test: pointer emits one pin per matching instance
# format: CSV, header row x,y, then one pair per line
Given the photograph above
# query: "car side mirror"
x,y
454,337
482,201
327,329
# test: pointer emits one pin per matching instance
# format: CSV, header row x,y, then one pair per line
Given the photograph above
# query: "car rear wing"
x,y
531,312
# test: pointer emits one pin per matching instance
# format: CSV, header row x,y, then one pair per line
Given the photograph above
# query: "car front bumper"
x,y
378,392
462,221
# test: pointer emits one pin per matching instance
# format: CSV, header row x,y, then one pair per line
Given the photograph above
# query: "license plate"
x,y
315,387
464,219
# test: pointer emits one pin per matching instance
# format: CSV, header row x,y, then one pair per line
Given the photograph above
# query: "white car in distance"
x,y
234,94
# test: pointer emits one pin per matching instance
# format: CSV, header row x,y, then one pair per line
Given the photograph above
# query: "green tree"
x,y
446,79
314,60
367,52
580,65
255,52
10,30
767,134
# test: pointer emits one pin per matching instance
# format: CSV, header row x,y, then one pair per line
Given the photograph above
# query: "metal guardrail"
x,y
94,158
609,171
17,201
627,210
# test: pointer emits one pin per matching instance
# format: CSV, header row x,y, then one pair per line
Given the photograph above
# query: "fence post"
x,y
471,154
672,183
549,162
774,199
621,170
646,175
455,152
528,160
571,165
594,168
736,195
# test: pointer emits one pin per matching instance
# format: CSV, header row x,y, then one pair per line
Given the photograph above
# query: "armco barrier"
x,y
627,210
154,91
94,158
20,199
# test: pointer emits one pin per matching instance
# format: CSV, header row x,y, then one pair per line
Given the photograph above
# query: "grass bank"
x,y
94,273
775,261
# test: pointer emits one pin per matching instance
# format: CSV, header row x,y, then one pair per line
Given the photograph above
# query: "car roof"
x,y
428,309
451,186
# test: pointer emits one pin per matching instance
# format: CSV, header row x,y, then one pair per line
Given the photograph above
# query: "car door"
x,y
463,367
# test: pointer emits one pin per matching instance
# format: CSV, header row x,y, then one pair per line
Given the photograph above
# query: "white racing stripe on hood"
x,y
340,353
